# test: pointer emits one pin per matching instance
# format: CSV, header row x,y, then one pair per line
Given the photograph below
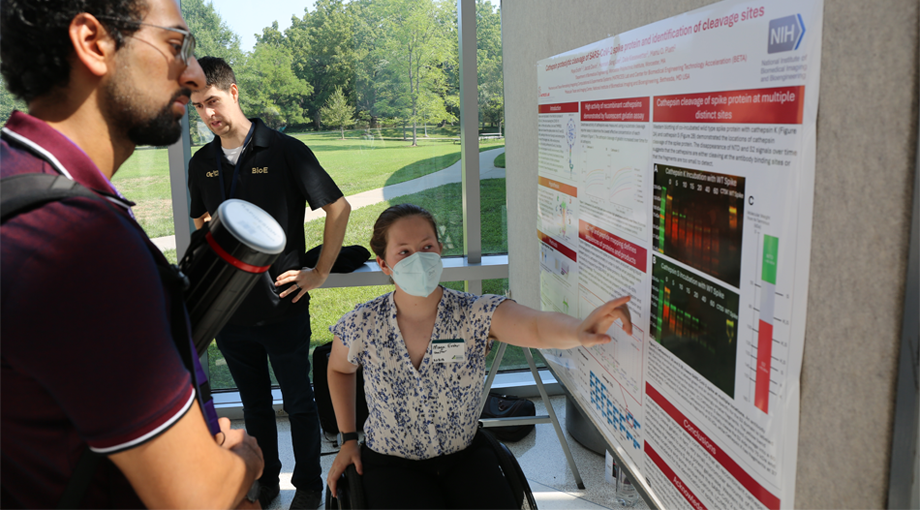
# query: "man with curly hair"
x,y
88,361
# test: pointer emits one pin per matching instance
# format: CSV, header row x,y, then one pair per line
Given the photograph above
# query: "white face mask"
x,y
419,273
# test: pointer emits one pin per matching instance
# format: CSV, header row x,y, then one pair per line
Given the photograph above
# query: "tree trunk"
x,y
316,122
414,134
343,131
426,130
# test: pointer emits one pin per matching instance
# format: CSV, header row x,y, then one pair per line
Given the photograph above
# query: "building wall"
x,y
866,153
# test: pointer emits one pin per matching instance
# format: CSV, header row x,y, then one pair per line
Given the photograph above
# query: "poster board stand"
x,y
550,417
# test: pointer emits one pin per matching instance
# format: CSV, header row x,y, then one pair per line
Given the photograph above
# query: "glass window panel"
x,y
379,119
144,179
513,359
491,124
219,374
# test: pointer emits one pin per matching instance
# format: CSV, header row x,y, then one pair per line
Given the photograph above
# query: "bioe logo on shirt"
x,y
257,170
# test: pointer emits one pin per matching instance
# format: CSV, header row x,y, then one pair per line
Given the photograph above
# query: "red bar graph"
x,y
764,353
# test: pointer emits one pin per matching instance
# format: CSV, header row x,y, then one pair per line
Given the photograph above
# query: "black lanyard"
x,y
236,169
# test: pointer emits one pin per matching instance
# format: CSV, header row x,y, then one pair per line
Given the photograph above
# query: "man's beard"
x,y
162,129
142,128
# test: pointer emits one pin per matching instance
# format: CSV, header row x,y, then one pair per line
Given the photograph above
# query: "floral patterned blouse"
x,y
432,411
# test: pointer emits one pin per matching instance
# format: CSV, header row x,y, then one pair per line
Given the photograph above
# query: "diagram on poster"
x,y
676,166
613,178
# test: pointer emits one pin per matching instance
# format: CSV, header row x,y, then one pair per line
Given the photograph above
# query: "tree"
x,y
337,111
415,46
271,36
432,110
367,18
213,37
489,63
269,89
322,46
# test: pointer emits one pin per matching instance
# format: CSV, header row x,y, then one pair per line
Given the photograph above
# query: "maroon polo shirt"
x,y
86,356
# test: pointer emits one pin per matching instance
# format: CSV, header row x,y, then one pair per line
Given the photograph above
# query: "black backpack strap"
x,y
80,479
25,192
176,284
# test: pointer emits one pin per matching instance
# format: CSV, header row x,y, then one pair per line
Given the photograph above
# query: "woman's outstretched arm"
x,y
525,327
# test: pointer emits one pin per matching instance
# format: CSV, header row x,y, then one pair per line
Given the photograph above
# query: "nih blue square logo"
x,y
785,34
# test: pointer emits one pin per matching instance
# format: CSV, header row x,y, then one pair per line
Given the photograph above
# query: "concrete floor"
x,y
540,455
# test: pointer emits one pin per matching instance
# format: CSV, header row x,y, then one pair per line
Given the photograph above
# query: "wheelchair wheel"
x,y
350,492
329,502
512,471
518,481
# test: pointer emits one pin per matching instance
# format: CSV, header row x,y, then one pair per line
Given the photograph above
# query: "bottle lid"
x,y
252,226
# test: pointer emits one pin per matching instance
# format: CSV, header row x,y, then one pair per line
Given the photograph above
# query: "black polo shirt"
x,y
281,175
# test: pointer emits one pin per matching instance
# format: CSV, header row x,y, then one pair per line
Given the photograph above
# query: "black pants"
x,y
470,478
247,350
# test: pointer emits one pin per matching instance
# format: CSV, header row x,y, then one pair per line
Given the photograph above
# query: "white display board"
x,y
676,165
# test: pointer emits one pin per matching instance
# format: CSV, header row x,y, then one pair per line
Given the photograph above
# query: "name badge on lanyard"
x,y
452,350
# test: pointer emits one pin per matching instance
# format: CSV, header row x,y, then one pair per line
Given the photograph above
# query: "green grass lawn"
x,y
144,179
355,164
500,161
358,165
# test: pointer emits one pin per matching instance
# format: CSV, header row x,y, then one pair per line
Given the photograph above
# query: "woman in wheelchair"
x,y
423,349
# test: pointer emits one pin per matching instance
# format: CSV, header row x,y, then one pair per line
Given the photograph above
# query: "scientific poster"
x,y
676,166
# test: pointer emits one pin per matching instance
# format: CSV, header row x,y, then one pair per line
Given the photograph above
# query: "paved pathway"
x,y
487,170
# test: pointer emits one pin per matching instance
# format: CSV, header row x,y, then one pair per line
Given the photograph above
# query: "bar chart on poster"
x,y
676,163
767,349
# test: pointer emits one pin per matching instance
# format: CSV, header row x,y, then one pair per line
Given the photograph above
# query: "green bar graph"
x,y
770,250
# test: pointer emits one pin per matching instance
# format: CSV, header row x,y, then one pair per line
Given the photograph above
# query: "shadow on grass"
x,y
423,167
431,165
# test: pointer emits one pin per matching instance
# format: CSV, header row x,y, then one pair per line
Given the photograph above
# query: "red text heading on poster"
x,y
556,245
782,105
744,478
613,244
616,110
673,478
559,108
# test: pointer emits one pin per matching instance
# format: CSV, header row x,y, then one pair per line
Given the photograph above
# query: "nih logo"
x,y
786,34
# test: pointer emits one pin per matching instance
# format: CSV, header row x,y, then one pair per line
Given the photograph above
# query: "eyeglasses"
x,y
187,50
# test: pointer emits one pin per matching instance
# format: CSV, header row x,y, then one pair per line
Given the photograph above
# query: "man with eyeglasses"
x,y
88,361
